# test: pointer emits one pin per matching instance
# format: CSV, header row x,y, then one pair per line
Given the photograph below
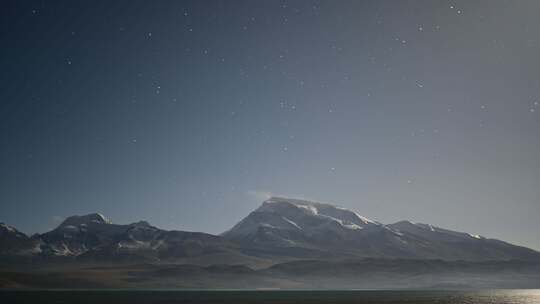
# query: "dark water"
x,y
311,297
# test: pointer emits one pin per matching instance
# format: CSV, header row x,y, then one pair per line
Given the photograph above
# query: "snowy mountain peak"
x,y
279,215
77,220
278,204
5,228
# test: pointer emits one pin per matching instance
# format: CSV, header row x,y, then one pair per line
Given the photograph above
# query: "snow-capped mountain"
x,y
14,242
286,243
293,227
291,223
306,218
452,245
281,229
297,227
78,220
93,237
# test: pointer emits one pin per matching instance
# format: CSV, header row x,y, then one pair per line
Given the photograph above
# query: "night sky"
x,y
189,114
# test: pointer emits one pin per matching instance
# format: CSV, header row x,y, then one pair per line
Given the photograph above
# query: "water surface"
x,y
277,296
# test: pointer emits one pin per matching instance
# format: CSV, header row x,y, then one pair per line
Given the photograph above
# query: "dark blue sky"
x,y
189,113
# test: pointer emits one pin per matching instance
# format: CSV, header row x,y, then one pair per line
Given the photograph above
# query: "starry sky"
x,y
189,114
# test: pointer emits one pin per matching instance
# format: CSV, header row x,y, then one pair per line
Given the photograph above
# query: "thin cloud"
x,y
259,195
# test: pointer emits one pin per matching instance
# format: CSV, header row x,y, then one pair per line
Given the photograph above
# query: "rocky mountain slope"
x,y
17,244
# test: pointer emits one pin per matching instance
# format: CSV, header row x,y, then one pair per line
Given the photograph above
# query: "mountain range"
x,y
282,239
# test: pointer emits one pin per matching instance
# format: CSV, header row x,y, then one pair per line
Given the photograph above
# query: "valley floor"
x,y
309,274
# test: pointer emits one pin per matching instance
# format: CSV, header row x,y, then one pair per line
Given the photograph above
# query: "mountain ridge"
x,y
280,224
284,243
280,229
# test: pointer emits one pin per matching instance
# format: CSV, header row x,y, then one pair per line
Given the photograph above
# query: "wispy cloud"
x,y
259,195
57,219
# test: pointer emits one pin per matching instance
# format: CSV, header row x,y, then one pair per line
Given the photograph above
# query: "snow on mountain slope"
x,y
295,227
300,215
94,238
280,229
93,218
454,245
289,225
14,242
432,232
